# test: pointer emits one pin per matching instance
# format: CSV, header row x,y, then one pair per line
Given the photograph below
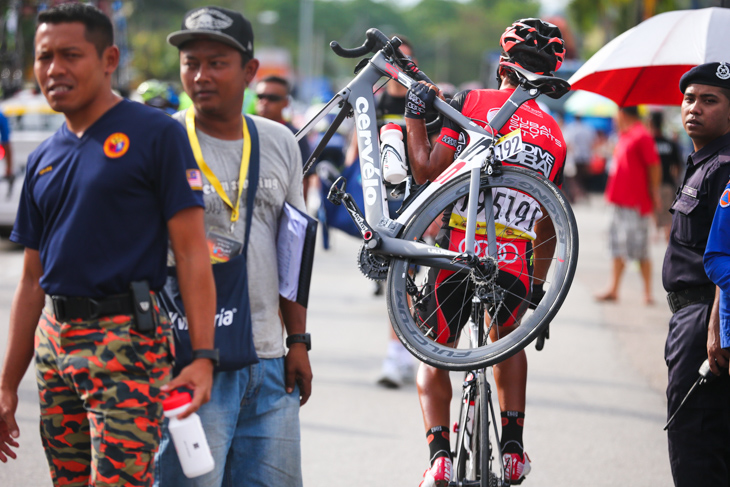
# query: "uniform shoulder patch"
x,y
116,145
725,198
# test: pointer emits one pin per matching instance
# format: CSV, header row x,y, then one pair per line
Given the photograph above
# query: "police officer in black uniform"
x,y
699,437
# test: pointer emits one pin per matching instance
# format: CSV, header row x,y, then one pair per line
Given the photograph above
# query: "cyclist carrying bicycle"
x,y
526,244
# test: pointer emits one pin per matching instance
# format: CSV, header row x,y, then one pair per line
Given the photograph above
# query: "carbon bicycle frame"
x,y
358,95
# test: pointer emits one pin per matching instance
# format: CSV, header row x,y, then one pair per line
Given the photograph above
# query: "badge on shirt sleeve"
x,y
195,179
725,198
116,145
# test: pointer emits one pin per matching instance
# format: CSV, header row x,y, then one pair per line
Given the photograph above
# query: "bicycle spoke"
x,y
432,295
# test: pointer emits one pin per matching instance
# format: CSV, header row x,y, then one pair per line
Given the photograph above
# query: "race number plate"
x,y
508,145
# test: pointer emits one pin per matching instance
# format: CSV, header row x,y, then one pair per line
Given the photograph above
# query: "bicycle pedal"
x,y
337,191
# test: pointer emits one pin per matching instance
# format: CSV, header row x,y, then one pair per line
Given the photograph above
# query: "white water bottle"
x,y
188,436
392,153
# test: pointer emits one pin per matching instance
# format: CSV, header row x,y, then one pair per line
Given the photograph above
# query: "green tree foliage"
x,y
451,38
602,20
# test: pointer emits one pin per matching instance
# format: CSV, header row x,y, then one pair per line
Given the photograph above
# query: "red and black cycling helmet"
x,y
533,44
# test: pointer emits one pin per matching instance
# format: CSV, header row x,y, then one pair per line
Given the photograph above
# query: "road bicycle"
x,y
404,250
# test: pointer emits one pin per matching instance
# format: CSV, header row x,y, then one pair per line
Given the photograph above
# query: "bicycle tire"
x,y
473,454
404,295
464,467
487,475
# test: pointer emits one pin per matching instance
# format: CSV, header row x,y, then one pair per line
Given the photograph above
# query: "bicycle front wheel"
x,y
466,451
473,457
429,306
491,472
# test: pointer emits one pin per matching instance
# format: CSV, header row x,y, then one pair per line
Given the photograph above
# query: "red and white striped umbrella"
x,y
643,65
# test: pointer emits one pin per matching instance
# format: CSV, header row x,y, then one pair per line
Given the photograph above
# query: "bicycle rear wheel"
x,y
429,319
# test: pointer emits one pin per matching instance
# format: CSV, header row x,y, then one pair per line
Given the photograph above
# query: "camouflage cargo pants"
x,y
99,383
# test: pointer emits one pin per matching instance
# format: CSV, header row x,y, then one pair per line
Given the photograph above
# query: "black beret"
x,y
713,74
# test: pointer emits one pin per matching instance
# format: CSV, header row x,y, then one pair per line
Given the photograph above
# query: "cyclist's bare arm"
x,y
426,162
544,247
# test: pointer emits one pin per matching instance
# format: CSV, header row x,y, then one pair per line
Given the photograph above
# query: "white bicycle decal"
x,y
481,248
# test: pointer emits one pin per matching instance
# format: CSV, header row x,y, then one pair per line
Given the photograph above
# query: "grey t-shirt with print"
x,y
280,180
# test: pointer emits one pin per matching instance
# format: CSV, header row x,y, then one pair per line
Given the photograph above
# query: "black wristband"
x,y
211,354
304,338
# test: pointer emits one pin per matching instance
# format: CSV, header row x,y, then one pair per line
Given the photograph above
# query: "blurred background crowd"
x,y
455,42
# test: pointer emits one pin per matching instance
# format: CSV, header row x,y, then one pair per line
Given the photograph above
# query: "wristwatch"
x,y
211,354
299,338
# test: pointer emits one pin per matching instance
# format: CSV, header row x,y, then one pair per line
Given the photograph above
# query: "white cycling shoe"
x,y
516,467
439,474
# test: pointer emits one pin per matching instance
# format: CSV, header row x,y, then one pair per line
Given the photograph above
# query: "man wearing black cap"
x,y
699,450
252,423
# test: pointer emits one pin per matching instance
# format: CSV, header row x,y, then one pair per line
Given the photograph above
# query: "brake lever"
x,y
392,50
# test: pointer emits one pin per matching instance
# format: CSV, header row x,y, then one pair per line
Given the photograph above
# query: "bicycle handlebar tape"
x,y
351,53
418,99
377,38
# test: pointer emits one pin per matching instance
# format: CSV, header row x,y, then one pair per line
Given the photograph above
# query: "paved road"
x,y
595,408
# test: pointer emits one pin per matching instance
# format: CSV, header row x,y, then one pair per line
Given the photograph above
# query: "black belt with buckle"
x,y
67,308
681,299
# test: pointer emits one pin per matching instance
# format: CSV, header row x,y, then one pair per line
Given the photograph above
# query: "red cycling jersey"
x,y
544,145
515,215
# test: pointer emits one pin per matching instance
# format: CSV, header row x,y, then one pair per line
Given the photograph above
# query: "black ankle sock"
x,y
513,423
438,442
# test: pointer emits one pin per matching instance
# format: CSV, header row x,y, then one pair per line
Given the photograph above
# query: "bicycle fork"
x,y
498,446
477,412
467,401
484,408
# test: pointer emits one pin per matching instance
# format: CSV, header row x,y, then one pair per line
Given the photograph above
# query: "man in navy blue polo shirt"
x,y
100,199
699,452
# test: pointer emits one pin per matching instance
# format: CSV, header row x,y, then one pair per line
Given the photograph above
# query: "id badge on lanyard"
x,y
210,175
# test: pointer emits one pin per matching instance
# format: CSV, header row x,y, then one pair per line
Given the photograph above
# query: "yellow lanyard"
x,y
245,159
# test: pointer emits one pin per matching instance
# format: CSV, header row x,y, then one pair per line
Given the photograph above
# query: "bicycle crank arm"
x,y
465,483
337,196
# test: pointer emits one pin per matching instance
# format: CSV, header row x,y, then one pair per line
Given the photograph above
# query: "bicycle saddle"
x,y
551,86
